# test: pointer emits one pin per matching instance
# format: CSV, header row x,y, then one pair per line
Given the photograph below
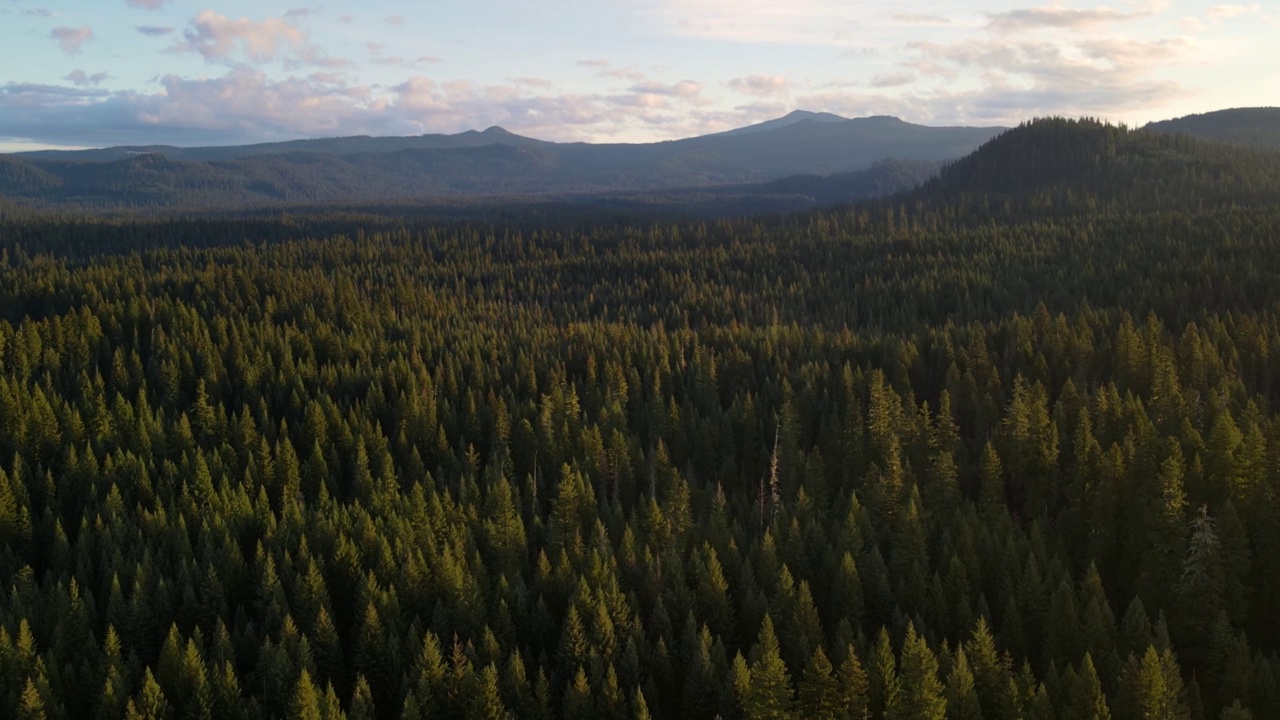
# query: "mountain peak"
x,y
791,118
797,115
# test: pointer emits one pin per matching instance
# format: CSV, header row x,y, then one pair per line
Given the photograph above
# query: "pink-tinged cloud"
x,y
762,86
247,105
218,38
1218,13
71,39
1058,17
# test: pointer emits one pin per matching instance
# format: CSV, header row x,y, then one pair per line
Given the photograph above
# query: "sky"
x,y
94,73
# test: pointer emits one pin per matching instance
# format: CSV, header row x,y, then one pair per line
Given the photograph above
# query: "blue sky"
x,y
84,73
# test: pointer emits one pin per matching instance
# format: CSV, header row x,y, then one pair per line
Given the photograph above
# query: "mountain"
x,y
1249,127
492,162
355,145
788,119
1062,165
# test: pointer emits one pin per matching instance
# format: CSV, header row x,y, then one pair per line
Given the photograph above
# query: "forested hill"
x,y
1249,127
1062,165
902,460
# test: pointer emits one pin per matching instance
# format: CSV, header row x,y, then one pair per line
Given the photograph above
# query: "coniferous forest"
x,y
1007,447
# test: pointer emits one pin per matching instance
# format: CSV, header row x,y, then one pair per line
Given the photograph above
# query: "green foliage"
x,y
826,466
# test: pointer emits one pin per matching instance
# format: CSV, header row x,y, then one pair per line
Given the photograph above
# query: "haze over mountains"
x,y
491,162
801,160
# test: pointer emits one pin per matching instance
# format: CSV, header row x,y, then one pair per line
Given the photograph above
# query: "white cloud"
x,y
761,85
218,38
71,39
1218,13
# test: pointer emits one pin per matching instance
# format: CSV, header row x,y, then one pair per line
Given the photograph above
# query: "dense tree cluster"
x,y
902,461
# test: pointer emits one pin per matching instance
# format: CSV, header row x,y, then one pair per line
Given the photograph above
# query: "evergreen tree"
x,y
769,696
921,695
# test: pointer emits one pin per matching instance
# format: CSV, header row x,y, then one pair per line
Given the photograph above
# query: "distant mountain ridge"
x,y
1249,127
490,162
349,145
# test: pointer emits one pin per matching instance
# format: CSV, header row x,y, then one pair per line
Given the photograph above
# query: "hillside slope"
x,y
1074,165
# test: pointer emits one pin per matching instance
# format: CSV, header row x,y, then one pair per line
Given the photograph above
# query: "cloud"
x,y
414,63
593,63
376,49
246,105
893,80
655,95
761,85
80,78
301,12
218,38
920,19
328,78
38,12
242,106
1064,18
1218,13
147,4
71,39
396,20
810,22
993,80
154,30
32,95
624,73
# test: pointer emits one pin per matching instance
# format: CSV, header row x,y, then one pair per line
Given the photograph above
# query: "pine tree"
x,y
150,703
852,686
921,695
991,493
962,697
819,694
770,694
883,686
577,698
31,705
305,704
361,707
1086,701
488,700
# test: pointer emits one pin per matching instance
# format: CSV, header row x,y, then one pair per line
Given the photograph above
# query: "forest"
x,y
1006,447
